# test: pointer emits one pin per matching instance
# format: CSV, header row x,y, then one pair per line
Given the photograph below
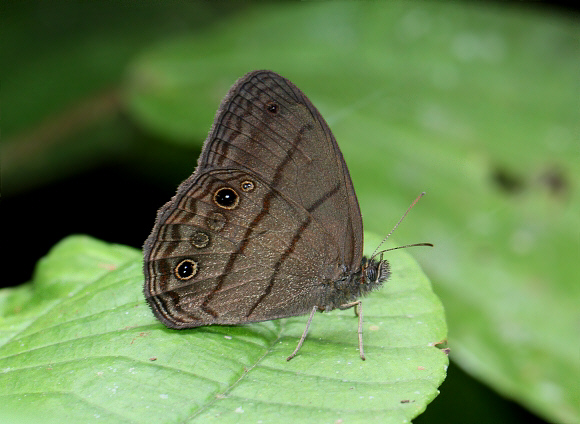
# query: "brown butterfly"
x,y
268,226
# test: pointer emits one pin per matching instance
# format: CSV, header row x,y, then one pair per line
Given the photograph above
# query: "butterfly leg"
x,y
314,309
358,311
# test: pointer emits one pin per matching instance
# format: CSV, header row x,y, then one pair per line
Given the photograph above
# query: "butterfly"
x,y
268,226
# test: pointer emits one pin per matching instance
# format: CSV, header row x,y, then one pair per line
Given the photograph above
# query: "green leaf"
x,y
80,343
477,105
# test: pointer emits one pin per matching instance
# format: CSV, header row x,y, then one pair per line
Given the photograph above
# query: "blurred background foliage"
x,y
106,106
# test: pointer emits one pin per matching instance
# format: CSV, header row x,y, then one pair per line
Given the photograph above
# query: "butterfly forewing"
x,y
292,149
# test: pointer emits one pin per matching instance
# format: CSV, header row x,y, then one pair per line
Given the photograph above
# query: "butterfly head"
x,y
374,273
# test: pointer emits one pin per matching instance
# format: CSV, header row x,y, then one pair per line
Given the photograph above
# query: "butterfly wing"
x,y
277,250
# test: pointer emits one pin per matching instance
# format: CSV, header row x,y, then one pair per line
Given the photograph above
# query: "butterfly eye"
x,y
226,198
371,274
186,269
272,108
247,185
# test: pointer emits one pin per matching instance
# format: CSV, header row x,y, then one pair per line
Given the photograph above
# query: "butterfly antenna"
x,y
403,247
395,227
